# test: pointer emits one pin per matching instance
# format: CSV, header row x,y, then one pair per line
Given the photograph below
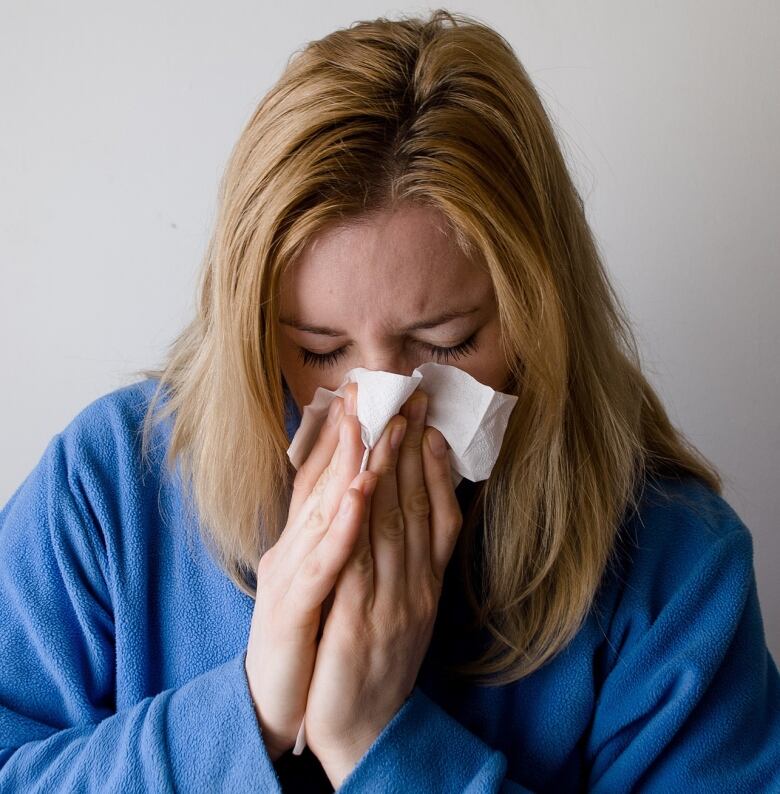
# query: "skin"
x,y
369,281
372,280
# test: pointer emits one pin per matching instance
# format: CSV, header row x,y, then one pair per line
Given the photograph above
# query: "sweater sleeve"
x,y
692,705
423,748
59,728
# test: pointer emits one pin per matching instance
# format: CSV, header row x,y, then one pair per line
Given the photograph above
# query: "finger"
x,y
412,493
446,518
320,505
334,480
386,532
318,509
317,574
319,457
355,585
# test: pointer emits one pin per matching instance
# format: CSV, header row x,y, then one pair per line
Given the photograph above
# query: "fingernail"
x,y
335,411
436,444
349,399
397,434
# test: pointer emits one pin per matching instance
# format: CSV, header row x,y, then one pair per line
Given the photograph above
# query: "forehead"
x,y
401,263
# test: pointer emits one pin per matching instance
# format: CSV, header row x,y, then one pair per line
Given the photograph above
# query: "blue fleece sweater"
x,y
122,653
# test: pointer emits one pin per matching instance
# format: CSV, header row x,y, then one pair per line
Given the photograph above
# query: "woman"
x,y
586,618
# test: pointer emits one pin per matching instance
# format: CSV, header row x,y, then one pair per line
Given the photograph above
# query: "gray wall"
x,y
117,120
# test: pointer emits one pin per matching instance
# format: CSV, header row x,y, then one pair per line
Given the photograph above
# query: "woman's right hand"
x,y
298,573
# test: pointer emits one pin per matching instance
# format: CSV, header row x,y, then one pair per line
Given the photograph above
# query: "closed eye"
x,y
440,354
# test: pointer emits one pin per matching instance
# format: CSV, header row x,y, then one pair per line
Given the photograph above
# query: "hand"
x,y
296,576
381,621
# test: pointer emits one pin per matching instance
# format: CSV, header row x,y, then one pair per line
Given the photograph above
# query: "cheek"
x,y
302,381
293,374
298,385
488,365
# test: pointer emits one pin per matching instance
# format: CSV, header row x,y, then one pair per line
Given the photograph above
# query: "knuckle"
x,y
363,561
417,503
412,441
314,520
393,525
320,485
455,523
312,568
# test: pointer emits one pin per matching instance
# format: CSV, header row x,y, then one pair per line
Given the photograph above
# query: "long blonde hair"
x,y
436,112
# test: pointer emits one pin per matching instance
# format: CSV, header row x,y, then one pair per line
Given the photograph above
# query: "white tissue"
x,y
470,415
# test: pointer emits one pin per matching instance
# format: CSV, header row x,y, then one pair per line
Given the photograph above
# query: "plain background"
x,y
117,121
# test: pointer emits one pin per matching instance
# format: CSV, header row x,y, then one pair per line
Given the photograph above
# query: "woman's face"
x,y
354,295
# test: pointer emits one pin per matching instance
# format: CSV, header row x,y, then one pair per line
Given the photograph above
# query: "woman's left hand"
x,y
386,597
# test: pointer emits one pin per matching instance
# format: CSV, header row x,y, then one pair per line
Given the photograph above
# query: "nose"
x,y
397,364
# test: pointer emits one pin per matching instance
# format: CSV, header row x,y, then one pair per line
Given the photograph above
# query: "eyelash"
x,y
442,354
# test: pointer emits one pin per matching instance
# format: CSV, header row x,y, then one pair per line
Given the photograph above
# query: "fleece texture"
x,y
123,643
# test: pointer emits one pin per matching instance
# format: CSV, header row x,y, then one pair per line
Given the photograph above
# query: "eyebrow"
x,y
432,323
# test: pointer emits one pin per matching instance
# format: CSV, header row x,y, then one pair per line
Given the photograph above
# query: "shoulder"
x,y
102,435
682,537
113,415
105,435
681,512
680,515
98,454
74,499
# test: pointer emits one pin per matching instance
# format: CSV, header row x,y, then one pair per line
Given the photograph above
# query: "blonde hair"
x,y
435,112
